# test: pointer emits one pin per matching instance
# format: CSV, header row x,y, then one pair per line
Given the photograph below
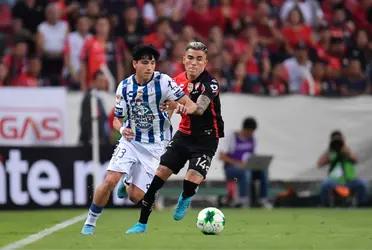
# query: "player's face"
x,y
144,69
195,62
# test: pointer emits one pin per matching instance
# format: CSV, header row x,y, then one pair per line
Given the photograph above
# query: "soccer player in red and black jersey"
x,y
195,141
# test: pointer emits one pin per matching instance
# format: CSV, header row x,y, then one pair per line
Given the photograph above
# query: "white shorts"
x,y
138,160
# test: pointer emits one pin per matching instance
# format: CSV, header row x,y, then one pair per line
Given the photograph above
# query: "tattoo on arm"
x,y
202,103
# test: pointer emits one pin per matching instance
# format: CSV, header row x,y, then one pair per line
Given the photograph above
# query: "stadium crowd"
x,y
271,47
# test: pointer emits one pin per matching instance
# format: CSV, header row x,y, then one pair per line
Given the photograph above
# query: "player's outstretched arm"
x,y
202,104
185,106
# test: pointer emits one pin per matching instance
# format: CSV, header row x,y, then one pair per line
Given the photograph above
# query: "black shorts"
x,y
199,150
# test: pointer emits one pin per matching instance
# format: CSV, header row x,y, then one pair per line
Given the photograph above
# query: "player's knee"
x,y
135,195
163,172
194,176
135,198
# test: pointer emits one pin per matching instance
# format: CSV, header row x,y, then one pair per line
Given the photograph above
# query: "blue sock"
x,y
93,214
95,209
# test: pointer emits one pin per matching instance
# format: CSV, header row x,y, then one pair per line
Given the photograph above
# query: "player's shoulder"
x,y
162,76
207,78
125,82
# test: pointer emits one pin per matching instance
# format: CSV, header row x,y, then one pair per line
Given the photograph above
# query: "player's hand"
x,y
180,109
168,105
127,133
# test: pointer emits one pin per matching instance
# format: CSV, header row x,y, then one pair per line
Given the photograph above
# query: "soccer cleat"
x,y
138,228
88,229
122,190
182,206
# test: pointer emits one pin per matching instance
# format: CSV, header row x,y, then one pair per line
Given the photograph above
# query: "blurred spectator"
x,y
3,75
72,50
32,77
295,30
16,60
102,52
187,34
236,150
360,49
341,173
318,74
234,153
360,11
331,85
30,12
226,16
240,79
277,84
268,32
298,68
342,23
131,27
216,37
354,82
50,43
5,17
93,11
176,56
162,37
309,9
100,84
155,9
200,17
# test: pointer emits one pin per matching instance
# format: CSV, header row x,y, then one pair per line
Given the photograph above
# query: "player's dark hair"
x,y
143,51
249,123
197,46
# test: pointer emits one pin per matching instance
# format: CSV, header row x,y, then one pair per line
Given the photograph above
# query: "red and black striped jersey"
x,y
210,123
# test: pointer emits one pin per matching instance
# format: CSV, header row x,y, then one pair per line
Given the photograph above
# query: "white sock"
x,y
92,218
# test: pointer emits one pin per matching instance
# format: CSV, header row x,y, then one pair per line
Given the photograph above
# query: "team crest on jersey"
x,y
142,115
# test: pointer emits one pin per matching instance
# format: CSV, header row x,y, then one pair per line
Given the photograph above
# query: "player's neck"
x,y
141,81
191,77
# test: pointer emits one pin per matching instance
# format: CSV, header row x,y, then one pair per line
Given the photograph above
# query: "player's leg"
x,y
195,175
201,150
120,163
171,162
100,198
162,174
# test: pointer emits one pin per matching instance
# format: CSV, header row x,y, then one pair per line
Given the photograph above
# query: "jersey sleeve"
x,y
211,89
120,104
174,91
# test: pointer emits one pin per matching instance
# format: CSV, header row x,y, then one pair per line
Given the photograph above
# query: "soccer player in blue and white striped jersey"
x,y
146,130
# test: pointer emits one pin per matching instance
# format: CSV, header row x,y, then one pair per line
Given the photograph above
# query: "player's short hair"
x,y
197,46
249,123
145,51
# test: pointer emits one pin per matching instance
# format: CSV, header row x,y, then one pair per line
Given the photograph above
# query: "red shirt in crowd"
x,y
294,35
94,56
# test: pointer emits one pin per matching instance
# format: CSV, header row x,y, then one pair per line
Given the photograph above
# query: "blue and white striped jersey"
x,y
140,104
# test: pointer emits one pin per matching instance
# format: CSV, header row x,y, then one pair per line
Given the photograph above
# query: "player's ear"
x,y
134,64
184,59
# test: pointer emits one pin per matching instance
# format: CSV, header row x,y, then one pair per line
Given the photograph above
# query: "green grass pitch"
x,y
285,229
